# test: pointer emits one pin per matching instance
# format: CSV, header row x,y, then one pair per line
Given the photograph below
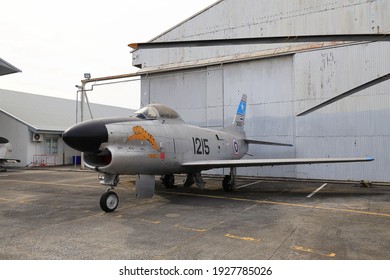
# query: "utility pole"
x,y
87,77
82,90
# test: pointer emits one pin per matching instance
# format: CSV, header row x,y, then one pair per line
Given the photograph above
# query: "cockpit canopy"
x,y
157,111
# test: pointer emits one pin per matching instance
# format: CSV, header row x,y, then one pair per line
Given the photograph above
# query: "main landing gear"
x,y
192,178
109,200
168,181
229,181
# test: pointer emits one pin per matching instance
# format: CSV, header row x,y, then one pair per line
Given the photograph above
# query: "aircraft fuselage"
x,y
160,147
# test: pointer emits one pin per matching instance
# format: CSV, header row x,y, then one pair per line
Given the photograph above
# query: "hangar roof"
x,y
236,19
7,68
49,114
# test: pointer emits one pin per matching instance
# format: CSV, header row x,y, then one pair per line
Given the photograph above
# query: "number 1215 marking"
x,y
200,146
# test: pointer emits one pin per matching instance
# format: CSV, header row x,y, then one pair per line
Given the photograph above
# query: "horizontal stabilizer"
x,y
209,164
257,142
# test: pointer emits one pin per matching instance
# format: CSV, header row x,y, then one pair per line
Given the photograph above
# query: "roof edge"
x,y
187,19
18,119
237,58
33,128
10,66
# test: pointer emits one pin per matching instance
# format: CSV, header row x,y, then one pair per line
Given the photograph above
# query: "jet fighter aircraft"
x,y
5,149
156,141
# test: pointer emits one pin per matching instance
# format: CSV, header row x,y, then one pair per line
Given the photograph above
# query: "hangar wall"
x,y
209,97
282,86
354,126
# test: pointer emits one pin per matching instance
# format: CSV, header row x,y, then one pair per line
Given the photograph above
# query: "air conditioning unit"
x,y
37,137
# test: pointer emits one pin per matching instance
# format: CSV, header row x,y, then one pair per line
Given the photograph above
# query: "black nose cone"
x,y
86,136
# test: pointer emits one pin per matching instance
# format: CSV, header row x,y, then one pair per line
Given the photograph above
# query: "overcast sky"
x,y
55,42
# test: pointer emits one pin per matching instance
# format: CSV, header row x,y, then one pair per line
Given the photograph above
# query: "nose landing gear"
x,y
109,200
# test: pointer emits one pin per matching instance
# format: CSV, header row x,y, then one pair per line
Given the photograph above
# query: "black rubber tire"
x,y
109,201
169,181
226,184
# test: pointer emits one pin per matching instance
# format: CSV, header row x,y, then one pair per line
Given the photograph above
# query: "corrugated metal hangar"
x,y
204,84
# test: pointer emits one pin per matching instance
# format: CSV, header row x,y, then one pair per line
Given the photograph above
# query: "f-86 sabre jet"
x,y
156,141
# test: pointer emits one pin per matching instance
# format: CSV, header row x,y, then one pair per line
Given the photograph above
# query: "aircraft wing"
x,y
210,164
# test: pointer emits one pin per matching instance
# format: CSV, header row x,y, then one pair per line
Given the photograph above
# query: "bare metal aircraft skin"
x,y
156,141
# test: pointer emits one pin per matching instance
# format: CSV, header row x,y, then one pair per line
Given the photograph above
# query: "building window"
x,y
51,146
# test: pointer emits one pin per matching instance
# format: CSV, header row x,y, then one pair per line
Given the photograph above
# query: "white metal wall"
x,y
278,89
269,86
184,91
209,98
16,133
281,87
355,126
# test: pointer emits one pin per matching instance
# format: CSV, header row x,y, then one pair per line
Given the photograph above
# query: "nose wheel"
x,y
109,201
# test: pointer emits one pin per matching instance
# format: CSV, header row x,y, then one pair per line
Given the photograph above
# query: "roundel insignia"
x,y
235,147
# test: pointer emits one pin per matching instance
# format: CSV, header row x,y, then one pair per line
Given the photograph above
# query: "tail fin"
x,y
239,119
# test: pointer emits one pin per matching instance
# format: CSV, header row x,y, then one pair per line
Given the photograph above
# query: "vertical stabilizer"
x,y
239,119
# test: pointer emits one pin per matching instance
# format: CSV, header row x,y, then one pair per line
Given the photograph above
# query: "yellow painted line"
x,y
192,229
312,251
23,201
49,183
328,208
208,196
242,238
149,221
285,204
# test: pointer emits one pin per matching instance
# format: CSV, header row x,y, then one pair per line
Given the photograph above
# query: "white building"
x,y
204,84
34,125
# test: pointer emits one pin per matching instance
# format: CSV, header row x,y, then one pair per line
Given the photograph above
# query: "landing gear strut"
x,y
229,181
109,200
168,181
